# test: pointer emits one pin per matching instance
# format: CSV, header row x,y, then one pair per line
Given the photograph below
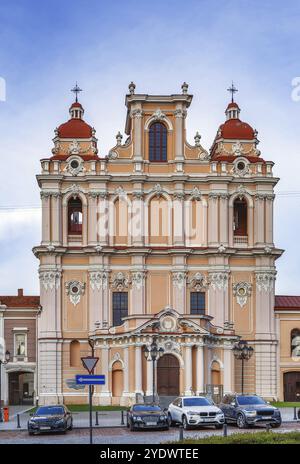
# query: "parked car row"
x,y
194,411
189,411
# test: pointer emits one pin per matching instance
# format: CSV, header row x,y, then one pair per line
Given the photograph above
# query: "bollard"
x,y
180,432
268,427
295,413
18,421
122,418
97,419
225,430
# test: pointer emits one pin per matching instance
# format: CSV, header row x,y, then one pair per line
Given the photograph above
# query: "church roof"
x,y
236,129
287,302
20,300
75,128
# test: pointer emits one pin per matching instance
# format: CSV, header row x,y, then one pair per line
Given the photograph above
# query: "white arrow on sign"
x,y
89,363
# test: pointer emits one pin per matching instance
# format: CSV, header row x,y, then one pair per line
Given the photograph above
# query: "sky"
x,y
45,47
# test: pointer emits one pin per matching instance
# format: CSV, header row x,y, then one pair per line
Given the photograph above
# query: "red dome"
x,y
236,129
75,128
232,105
76,105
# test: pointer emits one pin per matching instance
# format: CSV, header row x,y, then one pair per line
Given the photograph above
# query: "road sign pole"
x,y
91,414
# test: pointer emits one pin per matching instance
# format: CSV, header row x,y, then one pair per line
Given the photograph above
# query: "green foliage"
x,y
282,404
254,438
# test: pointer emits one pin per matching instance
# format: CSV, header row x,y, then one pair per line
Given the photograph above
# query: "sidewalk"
x,y
80,419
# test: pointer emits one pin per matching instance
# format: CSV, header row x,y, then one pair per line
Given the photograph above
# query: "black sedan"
x,y
147,416
249,410
50,419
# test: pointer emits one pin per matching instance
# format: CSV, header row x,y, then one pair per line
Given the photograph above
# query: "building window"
x,y
75,216
20,345
197,303
158,142
120,307
75,353
295,343
240,217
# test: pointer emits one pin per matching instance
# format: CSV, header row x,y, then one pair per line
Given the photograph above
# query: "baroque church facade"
x,y
160,240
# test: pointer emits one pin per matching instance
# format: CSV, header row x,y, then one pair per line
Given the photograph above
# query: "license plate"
x,y
45,427
267,417
151,423
208,420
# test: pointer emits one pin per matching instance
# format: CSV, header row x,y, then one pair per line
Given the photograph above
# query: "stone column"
x,y
149,378
179,290
188,369
103,219
213,222
179,221
56,219
46,218
126,371
200,369
105,393
259,221
138,369
218,297
137,116
138,294
269,219
228,372
224,219
137,225
92,218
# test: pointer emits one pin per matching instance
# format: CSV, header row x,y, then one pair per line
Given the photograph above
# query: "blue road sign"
x,y
90,379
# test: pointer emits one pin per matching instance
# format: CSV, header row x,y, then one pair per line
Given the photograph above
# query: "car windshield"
x,y
50,411
142,407
196,402
242,400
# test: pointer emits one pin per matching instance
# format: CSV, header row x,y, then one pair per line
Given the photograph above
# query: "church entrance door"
x,y
168,376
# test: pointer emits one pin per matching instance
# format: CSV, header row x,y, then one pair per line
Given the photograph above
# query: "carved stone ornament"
x,y
237,148
50,279
196,194
198,282
179,195
219,280
74,166
158,190
158,115
237,168
119,191
98,280
75,190
75,290
112,155
168,324
74,148
242,290
120,281
138,279
178,278
265,280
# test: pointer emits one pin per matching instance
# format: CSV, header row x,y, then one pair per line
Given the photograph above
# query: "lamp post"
x,y
6,360
152,353
242,351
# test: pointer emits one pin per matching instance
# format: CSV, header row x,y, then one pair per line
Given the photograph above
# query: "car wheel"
x,y
132,427
170,420
185,423
241,422
219,426
71,426
30,432
275,426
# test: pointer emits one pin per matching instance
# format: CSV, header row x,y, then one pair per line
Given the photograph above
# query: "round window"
x,y
74,164
75,289
241,165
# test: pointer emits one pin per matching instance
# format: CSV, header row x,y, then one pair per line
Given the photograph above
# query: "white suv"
x,y
194,411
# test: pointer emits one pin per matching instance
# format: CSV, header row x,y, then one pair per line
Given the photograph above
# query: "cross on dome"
x,y
76,90
232,90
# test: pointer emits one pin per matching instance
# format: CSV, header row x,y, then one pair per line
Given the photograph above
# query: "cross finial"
x,y
232,90
76,90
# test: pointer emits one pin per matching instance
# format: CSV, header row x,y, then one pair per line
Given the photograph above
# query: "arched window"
x,y
295,342
75,216
240,217
158,142
74,353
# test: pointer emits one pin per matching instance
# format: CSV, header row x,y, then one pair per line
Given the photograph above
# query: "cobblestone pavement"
x,y
109,436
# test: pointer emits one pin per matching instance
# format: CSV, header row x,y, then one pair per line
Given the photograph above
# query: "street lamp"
x,y
242,351
6,360
152,353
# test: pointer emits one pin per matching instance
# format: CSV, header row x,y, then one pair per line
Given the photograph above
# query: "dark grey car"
x,y
50,419
147,416
249,410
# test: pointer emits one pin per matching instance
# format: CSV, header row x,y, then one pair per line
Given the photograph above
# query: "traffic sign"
x,y
89,363
90,379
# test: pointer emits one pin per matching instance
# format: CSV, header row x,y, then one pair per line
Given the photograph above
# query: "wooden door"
x,y
168,376
292,386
